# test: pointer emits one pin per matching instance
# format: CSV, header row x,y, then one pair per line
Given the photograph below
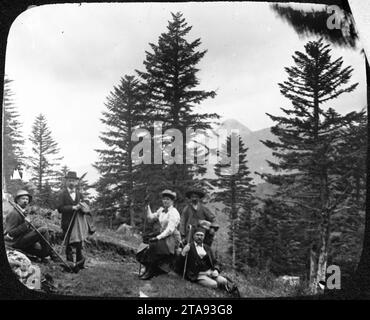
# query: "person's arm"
x,y
173,222
216,265
14,225
210,216
65,208
150,214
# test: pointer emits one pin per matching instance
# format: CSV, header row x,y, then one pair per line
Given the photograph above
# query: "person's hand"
x,y
84,207
153,239
76,207
215,273
27,219
186,249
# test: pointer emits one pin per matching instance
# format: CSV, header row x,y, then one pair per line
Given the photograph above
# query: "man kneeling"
x,y
201,266
18,233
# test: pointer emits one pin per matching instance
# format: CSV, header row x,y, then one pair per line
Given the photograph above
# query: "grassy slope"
x,y
113,271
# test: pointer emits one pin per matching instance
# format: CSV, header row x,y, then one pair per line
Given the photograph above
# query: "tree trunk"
x,y
318,266
313,270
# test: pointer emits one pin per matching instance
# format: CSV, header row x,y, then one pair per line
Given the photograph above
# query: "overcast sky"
x,y
65,59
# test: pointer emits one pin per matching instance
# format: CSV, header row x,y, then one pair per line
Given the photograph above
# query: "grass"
x,y
112,271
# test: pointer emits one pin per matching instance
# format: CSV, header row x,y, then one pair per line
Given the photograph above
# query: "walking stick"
x,y
41,236
186,258
145,218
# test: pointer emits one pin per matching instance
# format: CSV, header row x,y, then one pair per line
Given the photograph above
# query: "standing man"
x,y
73,210
194,212
19,235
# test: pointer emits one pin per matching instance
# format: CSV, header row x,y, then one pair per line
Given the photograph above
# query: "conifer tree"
x,y
12,135
126,111
171,84
44,158
236,193
309,135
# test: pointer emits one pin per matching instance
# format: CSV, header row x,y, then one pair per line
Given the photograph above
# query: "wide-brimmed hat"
x,y
71,175
21,193
169,193
204,224
199,229
198,192
214,225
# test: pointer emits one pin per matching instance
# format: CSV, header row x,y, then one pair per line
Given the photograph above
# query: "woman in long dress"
x,y
162,247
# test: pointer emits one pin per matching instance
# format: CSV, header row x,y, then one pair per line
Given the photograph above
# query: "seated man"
x,y
201,266
19,235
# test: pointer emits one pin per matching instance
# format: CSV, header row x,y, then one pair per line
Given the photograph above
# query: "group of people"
x,y
183,243
20,234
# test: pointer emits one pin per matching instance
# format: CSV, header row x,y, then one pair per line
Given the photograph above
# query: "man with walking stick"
x,y
19,234
201,266
75,226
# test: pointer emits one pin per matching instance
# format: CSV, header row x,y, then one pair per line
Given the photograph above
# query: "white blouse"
x,y
169,220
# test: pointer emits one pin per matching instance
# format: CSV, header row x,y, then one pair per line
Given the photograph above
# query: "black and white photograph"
x,y
184,150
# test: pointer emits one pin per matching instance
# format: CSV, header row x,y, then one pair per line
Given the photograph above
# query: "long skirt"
x,y
156,256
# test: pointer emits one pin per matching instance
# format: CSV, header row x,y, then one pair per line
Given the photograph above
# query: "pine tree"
x,y
236,193
315,24
126,111
44,159
171,85
61,183
309,136
13,140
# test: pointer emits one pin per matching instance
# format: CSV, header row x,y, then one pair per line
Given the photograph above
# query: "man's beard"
x,y
23,205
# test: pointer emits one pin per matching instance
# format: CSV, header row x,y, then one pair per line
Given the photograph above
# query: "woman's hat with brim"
x,y
71,175
169,193
198,192
21,193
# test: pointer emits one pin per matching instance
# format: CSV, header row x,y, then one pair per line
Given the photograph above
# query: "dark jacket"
x,y
192,217
64,206
15,226
195,263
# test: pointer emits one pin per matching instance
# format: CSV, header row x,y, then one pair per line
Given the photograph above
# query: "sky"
x,y
65,59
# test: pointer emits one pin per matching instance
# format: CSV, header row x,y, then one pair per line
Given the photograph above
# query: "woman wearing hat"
x,y
162,247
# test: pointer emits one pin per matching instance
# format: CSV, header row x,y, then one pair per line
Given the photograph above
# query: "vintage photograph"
x,y
184,150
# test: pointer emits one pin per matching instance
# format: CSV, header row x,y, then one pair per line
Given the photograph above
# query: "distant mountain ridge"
x,y
257,153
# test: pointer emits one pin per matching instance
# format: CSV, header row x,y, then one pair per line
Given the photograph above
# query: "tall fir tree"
x,y
171,84
126,112
309,136
12,136
44,159
315,24
235,191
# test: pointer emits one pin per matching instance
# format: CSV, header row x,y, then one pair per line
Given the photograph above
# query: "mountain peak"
x,y
232,124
